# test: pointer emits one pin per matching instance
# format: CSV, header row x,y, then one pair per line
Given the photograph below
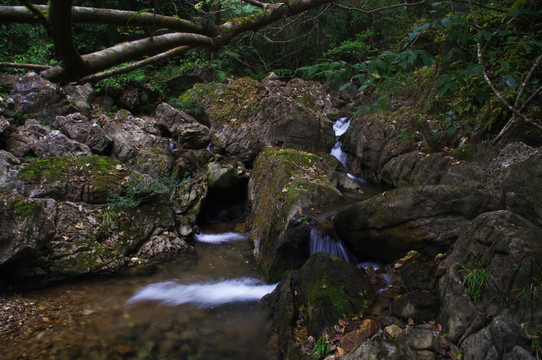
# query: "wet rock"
x,y
57,144
163,247
79,128
39,98
287,187
486,320
185,129
416,305
423,218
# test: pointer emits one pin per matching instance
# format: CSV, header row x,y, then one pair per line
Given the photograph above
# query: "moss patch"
x,y
24,208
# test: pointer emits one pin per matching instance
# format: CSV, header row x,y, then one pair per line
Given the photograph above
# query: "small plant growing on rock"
x,y
475,278
321,348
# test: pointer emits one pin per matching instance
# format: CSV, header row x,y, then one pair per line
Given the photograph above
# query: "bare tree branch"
x,y
35,67
389,7
87,15
134,66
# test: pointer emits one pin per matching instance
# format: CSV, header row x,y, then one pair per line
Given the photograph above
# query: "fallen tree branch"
x,y
35,67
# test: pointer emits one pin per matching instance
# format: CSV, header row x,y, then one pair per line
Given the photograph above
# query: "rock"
x,y
223,174
515,173
420,337
286,188
164,246
57,144
353,339
92,179
376,348
486,320
39,98
155,161
22,141
26,227
8,171
423,218
330,289
129,134
185,129
80,96
77,127
393,331
416,305
247,116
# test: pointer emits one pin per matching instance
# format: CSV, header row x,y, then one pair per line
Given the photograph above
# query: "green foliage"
x,y
475,278
321,348
534,334
141,190
25,208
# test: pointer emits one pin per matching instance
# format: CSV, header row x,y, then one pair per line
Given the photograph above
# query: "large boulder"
x,y
515,174
92,179
288,188
247,116
39,98
57,144
424,218
22,140
78,127
489,286
323,291
9,165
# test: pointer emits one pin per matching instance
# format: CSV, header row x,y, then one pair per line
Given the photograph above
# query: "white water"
x,y
327,244
203,294
340,126
220,238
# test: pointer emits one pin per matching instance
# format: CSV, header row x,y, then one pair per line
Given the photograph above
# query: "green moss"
x,y
236,102
63,168
25,208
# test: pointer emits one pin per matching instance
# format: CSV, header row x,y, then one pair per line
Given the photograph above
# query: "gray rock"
x,y
57,144
223,174
507,248
185,129
9,165
40,98
77,127
420,337
424,218
22,141
80,96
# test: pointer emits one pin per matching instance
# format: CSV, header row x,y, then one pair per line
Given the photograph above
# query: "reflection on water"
x,y
198,308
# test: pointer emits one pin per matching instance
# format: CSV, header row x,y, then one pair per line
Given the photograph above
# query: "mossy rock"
x,y
332,289
287,188
88,178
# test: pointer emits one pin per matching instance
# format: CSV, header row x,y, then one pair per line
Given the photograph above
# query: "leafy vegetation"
x,y
321,349
475,278
141,190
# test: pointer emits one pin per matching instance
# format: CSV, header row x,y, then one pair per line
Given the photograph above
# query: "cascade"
x,y
328,243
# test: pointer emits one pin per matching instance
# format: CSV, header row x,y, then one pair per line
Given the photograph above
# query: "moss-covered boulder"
x,y
246,116
91,179
288,188
424,218
310,300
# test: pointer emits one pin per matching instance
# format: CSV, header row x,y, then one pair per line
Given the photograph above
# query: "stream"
x,y
199,307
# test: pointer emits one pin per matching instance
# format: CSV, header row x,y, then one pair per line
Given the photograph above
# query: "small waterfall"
x,y
329,244
203,294
220,238
340,126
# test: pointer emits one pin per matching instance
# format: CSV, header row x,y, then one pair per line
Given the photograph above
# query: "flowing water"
x,y
200,307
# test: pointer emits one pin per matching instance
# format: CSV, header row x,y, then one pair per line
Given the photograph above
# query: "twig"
x,y
36,67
